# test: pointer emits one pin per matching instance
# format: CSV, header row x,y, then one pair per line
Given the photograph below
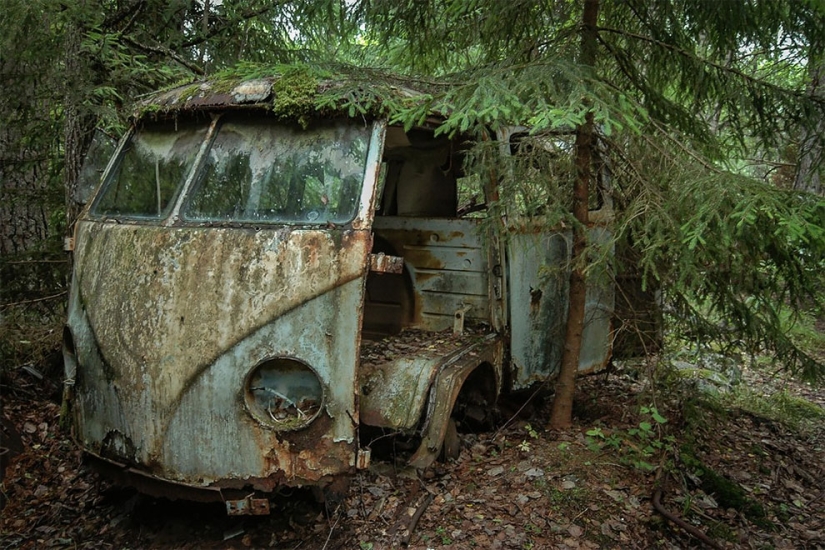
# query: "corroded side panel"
x,y
538,265
597,336
168,322
538,283
397,373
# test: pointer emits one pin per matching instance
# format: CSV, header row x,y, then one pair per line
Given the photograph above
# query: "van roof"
x,y
291,92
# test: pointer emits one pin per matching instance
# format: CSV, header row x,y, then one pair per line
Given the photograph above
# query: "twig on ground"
x,y
405,539
334,525
691,530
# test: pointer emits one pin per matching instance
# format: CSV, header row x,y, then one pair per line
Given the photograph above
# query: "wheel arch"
x,y
478,369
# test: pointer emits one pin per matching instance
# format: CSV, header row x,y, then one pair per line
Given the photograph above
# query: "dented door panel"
x,y
538,297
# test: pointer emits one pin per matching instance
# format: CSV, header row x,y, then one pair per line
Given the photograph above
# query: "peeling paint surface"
x,y
397,373
538,285
169,321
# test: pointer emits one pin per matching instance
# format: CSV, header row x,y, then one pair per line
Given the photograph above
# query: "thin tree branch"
x,y
167,52
722,68
217,30
681,146
657,503
123,13
44,299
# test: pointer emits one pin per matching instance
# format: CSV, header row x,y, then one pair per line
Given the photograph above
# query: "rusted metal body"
x,y
538,307
238,281
176,317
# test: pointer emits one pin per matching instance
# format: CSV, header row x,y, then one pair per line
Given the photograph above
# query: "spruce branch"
x,y
753,81
164,51
231,23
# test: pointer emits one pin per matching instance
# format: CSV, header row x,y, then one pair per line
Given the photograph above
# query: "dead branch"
x,y
167,52
44,299
691,530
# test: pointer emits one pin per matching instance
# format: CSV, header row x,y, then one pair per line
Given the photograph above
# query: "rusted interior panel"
x,y
206,305
446,270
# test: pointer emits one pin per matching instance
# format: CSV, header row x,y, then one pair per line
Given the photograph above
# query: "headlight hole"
x,y
284,393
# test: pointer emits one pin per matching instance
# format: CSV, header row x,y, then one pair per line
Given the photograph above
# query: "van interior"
x,y
429,213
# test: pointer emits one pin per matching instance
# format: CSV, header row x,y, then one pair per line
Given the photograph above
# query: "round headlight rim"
x,y
269,422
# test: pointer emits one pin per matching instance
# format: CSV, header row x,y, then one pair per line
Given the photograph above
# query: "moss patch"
x,y
727,493
295,94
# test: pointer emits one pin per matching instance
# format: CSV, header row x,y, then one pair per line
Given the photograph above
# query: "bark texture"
x,y
24,161
810,165
562,413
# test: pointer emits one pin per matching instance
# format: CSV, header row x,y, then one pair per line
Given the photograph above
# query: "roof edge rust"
x,y
291,93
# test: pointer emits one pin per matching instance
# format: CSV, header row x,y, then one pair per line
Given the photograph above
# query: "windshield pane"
x,y
262,171
152,167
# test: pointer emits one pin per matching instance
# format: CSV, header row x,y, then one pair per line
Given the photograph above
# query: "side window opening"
x,y
544,171
100,151
423,177
471,201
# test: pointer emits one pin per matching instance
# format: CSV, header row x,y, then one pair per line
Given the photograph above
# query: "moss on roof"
x,y
295,92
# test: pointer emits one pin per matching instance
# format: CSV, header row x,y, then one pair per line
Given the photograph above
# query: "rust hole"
x,y
535,296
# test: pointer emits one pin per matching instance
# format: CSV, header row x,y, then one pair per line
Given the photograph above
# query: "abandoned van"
x,y
251,293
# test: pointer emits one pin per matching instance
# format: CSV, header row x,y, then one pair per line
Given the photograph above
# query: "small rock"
x,y
495,471
376,491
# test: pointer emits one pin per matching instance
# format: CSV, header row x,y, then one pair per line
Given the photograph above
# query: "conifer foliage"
x,y
696,106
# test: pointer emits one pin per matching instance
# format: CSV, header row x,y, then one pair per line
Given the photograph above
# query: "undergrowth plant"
x,y
645,447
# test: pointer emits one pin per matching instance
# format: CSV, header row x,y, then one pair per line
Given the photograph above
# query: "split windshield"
x,y
256,170
150,171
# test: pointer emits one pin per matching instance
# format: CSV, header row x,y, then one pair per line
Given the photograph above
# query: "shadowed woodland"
x,y
706,123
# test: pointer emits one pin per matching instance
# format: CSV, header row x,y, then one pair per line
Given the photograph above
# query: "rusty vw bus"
x,y
251,293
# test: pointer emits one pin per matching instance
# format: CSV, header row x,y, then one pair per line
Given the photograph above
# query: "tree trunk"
x,y
562,414
78,124
809,167
25,106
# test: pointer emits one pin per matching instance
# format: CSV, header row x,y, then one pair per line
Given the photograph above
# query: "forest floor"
x,y
743,464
